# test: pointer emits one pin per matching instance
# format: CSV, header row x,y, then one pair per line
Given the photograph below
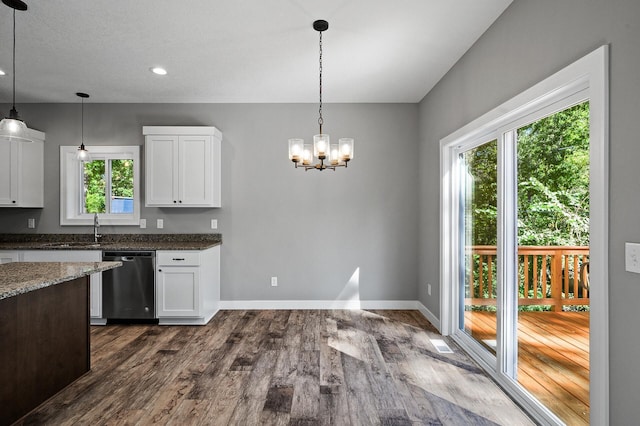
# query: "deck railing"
x,y
547,275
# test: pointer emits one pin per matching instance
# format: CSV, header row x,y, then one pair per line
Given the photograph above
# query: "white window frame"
x,y
71,185
584,79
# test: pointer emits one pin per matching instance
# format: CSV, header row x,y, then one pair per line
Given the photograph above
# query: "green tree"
x,y
553,182
95,184
553,179
122,178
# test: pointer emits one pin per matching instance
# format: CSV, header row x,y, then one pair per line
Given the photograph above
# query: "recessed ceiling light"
x,y
158,70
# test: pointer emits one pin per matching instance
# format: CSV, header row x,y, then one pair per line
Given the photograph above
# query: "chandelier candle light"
x,y
12,126
330,155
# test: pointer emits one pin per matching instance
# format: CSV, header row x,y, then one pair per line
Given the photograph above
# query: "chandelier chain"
x,y
320,120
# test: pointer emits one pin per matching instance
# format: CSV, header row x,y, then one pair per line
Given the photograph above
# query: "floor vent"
x,y
441,346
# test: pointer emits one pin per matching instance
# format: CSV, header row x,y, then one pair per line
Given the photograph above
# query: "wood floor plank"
x,y
361,402
333,367
306,395
253,397
331,373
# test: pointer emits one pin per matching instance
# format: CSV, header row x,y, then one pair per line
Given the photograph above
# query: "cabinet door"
x,y
195,185
161,164
178,292
9,161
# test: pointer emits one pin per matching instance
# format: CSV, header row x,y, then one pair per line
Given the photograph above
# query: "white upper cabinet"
x,y
22,171
182,166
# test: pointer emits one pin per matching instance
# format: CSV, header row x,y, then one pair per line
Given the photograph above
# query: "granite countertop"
x,y
109,241
22,277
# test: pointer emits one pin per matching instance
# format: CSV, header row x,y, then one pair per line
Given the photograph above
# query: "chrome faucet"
x,y
96,225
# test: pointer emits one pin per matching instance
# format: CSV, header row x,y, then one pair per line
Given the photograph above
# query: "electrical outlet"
x,y
31,223
429,289
160,224
214,223
632,257
143,223
274,281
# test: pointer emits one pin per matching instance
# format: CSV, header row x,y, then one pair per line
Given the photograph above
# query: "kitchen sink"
x,y
71,244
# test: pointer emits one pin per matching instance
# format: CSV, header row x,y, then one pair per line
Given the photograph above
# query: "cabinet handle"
x,y
159,270
14,201
180,201
174,201
178,258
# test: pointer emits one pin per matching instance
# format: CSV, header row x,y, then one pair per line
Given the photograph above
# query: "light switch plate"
x,y
160,224
214,223
31,223
143,223
632,257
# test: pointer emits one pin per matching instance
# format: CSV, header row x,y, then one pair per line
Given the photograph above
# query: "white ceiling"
x,y
236,50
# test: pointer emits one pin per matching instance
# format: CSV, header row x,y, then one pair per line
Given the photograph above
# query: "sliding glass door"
x,y
523,255
479,234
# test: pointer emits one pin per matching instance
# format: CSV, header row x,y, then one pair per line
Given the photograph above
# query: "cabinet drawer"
x,y
178,258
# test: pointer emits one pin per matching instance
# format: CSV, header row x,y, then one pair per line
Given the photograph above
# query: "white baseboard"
x,y
188,321
318,304
428,315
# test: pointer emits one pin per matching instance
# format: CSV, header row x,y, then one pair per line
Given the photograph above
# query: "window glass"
x,y
106,185
94,186
113,177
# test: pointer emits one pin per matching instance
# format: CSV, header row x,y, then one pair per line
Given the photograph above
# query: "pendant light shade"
x,y
330,155
82,154
12,127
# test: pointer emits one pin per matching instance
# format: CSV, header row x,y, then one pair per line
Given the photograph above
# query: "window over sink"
x,y
107,185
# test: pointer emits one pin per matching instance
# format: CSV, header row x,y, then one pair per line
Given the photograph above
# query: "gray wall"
x,y
530,41
313,230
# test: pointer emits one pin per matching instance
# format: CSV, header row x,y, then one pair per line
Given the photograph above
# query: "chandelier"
x,y
329,155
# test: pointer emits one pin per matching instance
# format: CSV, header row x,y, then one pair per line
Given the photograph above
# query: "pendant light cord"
x,y
82,123
14,59
320,120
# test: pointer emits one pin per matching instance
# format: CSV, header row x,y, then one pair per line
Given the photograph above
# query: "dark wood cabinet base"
x,y
44,345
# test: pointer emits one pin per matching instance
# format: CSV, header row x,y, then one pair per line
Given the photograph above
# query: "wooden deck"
x,y
553,358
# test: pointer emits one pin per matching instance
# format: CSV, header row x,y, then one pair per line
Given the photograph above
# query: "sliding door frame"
x,y
585,79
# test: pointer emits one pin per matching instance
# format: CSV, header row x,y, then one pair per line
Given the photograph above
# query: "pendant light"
x,y
335,154
12,127
82,154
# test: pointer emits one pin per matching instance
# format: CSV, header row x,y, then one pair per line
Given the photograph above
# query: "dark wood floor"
x,y
280,368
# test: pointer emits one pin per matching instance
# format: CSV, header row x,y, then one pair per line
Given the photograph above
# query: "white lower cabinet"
x,y
187,282
187,286
179,291
95,292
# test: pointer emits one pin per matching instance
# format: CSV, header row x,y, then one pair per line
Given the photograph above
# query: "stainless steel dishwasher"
x,y
129,292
